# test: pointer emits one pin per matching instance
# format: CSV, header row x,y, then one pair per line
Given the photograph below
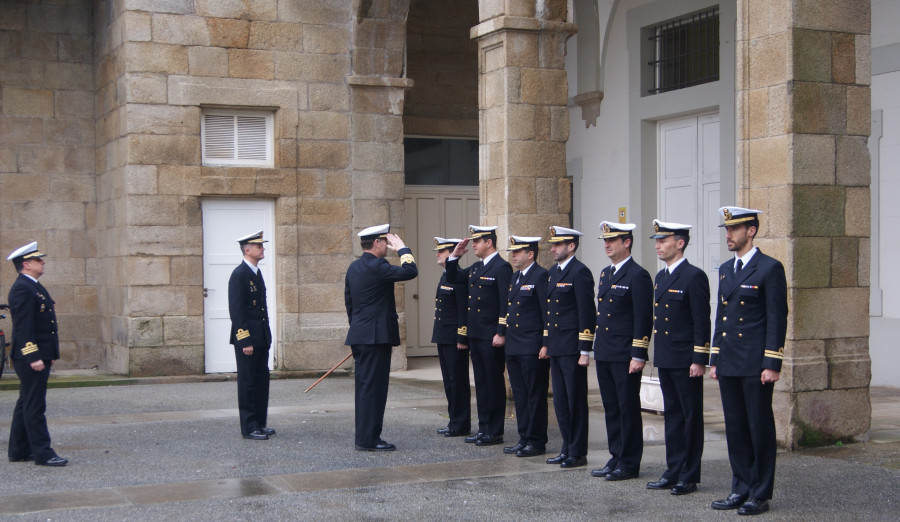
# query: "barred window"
x,y
685,51
233,137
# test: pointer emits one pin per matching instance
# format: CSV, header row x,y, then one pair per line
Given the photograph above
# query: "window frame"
x,y
269,119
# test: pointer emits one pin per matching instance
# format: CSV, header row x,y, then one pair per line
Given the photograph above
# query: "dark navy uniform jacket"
x,y
35,333
624,314
751,318
450,313
369,298
488,291
526,312
247,308
681,317
569,329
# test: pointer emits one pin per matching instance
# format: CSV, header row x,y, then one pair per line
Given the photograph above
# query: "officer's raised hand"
x,y
394,242
460,249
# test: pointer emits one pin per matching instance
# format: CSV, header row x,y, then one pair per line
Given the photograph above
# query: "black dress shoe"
x,y
621,474
683,488
21,459
59,462
754,506
268,431
256,435
489,440
381,446
733,501
512,450
602,472
442,431
573,462
471,439
662,483
455,433
530,451
557,459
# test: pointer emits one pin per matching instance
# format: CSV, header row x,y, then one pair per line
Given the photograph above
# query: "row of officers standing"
x,y
544,325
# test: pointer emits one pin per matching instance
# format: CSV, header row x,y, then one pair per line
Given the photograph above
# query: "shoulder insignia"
x,y
29,348
242,334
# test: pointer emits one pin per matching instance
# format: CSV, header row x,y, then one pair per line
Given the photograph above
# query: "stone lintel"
x,y
519,23
590,106
380,81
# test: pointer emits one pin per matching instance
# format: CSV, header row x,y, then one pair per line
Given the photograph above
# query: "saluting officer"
x,y
374,331
35,345
568,335
624,323
527,361
449,334
488,282
682,329
748,347
251,337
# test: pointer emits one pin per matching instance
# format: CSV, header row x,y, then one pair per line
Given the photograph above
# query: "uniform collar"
x,y
674,265
746,257
564,264
618,266
254,268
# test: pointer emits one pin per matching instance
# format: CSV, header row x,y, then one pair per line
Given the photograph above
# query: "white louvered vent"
x,y
237,138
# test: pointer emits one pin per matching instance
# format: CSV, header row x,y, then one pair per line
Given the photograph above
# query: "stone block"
x,y
208,61
859,106
830,313
180,29
813,159
521,196
320,12
811,262
319,269
515,121
778,112
151,149
865,260
183,330
314,211
75,48
145,88
858,212
863,48
387,157
309,182
154,210
536,159
183,271
160,6
769,161
145,331
378,128
326,240
280,36
41,160
818,210
157,300
813,51
321,298
276,181
176,180
325,39
67,272
849,16
286,211
766,17
543,87
845,258
319,125
338,184
7,160
329,97
149,270
18,131
69,131
843,58
163,360
79,104
156,58
256,10
140,179
323,154
28,102
12,17
819,108
245,63
378,185
852,161
230,34
805,374
22,73
155,119
73,187
769,60
327,68
833,414
138,26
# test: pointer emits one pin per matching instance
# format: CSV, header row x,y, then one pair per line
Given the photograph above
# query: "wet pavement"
x,y
174,451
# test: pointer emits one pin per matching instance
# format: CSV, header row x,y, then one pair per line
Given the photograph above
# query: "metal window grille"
x,y
685,51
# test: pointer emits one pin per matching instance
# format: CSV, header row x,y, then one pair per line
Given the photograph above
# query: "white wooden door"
x,y
225,220
444,211
689,187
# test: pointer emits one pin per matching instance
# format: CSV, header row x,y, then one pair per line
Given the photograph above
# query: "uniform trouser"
x,y
373,368
28,434
253,388
620,393
750,433
490,386
570,403
683,412
455,371
528,378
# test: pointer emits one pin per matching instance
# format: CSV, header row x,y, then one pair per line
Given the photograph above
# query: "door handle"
x,y
415,296
206,291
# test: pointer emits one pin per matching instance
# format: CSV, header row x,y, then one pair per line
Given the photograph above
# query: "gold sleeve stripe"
x,y
641,343
242,334
701,349
462,330
407,258
714,350
501,320
773,354
546,333
29,347
586,336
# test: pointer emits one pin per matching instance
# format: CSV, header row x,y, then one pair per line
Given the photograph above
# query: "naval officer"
x,y
35,345
449,333
624,323
681,328
251,337
748,347
374,331
527,361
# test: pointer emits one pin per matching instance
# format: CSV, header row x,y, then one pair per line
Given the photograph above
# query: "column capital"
x,y
520,23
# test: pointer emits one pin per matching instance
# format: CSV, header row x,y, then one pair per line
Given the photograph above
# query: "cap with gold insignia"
x,y
612,230
29,251
663,229
440,243
256,237
738,215
520,242
375,232
478,231
560,234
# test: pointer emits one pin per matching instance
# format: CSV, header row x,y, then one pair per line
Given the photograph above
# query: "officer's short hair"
x,y
19,264
367,243
534,249
492,236
687,239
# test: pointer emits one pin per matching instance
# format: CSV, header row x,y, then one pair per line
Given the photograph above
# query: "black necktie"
x,y
518,278
739,266
612,270
665,274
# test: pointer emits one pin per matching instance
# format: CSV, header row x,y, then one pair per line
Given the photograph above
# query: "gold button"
x,y
667,319
740,319
549,301
742,303
740,335
556,325
656,304
724,334
667,333
469,308
667,306
598,314
654,317
517,314
607,328
610,299
724,319
725,303
654,331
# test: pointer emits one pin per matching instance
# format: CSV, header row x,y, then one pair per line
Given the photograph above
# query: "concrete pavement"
x,y
174,451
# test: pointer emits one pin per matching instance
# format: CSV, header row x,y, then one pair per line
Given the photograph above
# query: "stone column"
x,y
524,122
803,116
